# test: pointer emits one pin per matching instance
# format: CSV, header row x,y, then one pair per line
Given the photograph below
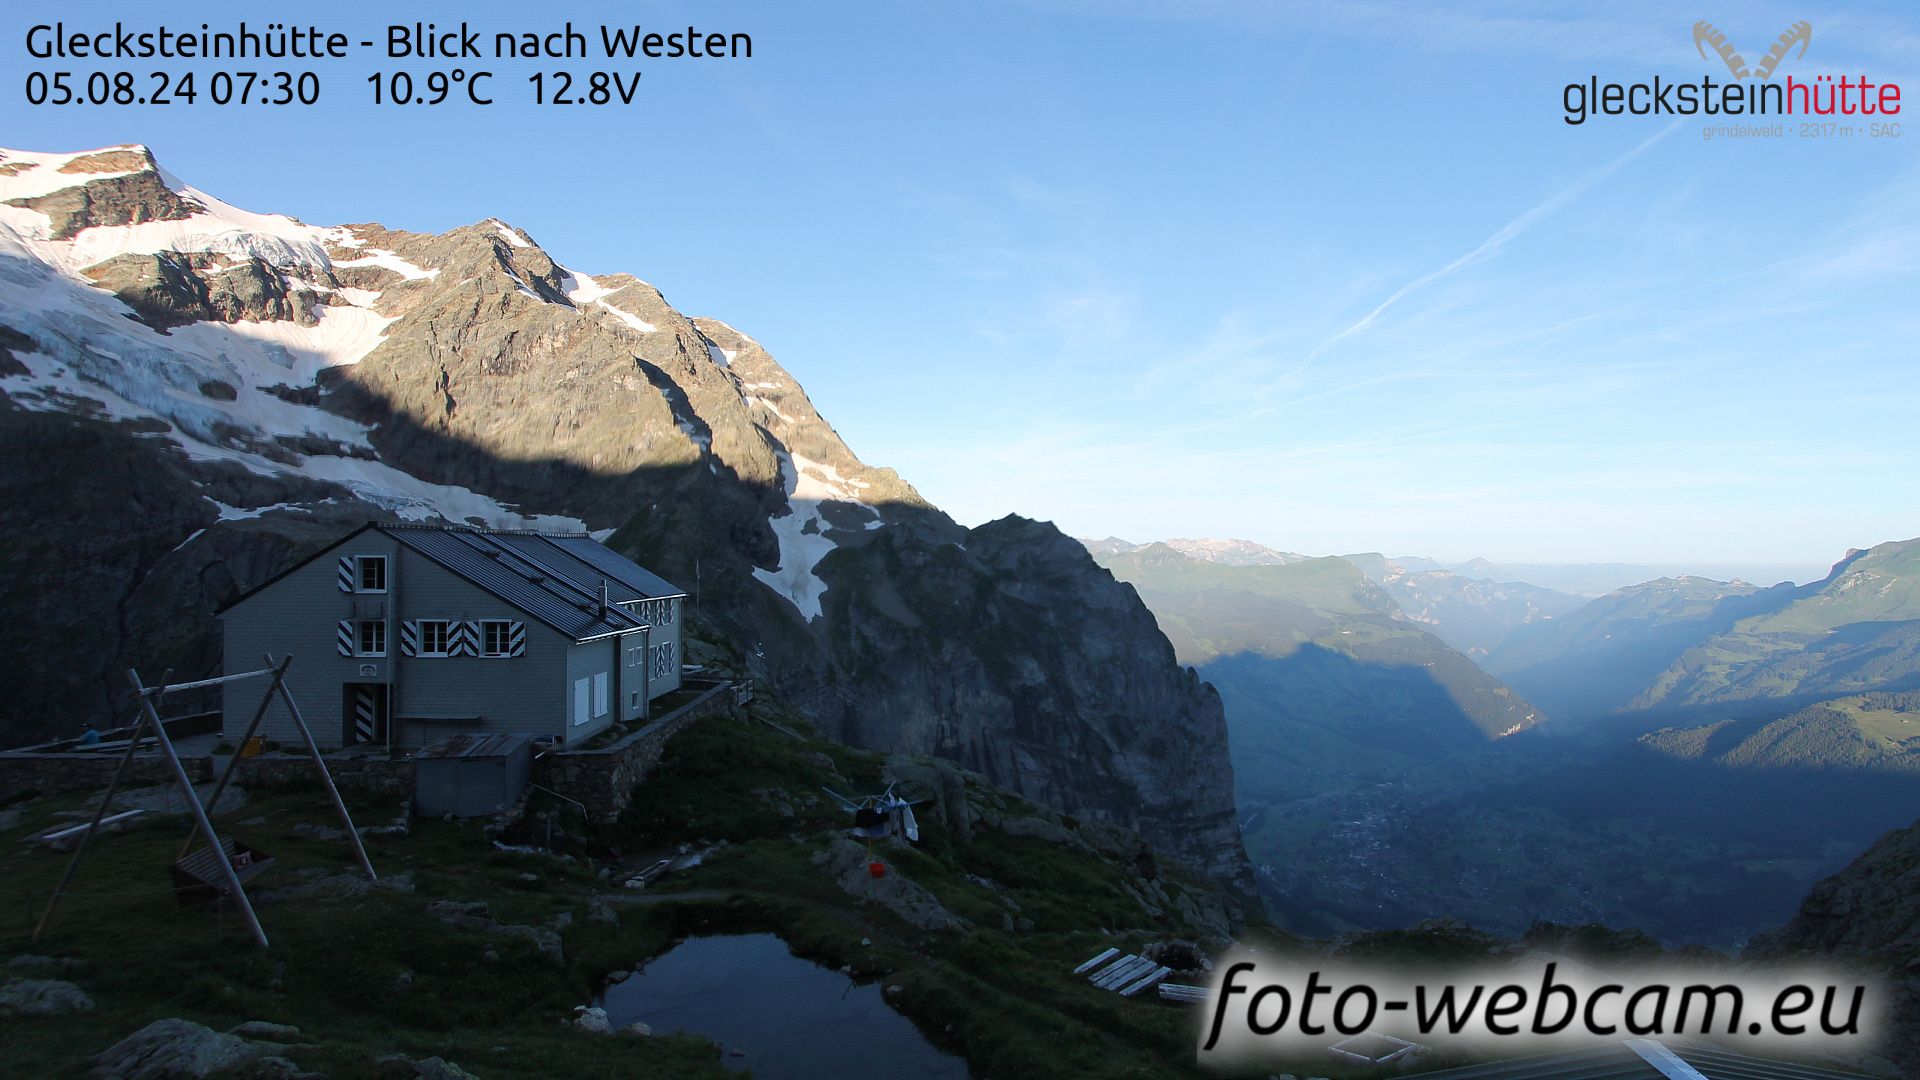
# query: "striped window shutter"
x,y
345,637
516,639
409,637
347,575
463,638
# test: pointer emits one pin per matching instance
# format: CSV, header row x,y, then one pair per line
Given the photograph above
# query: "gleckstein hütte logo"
x,y
1704,35
1751,92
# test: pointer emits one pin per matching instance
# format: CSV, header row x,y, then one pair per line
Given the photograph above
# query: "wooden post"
x,y
73,864
199,812
326,777
220,786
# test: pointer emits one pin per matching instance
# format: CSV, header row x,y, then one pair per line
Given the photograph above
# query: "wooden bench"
x,y
197,878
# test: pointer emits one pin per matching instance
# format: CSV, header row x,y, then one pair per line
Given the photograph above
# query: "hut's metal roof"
x,y
531,572
590,560
554,578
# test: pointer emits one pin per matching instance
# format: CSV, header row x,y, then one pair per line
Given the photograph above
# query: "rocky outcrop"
x,y
847,863
169,288
135,196
1868,915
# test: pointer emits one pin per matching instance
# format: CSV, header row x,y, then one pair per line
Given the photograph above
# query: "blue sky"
x,y
1332,278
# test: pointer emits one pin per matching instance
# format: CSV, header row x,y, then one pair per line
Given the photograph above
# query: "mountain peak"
x,y
1233,552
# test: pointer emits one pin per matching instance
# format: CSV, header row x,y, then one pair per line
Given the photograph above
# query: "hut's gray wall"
x,y
430,697
300,615
508,693
585,663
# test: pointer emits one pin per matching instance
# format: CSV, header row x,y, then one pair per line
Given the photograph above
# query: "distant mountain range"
x,y
1224,552
1676,644
1462,607
1324,678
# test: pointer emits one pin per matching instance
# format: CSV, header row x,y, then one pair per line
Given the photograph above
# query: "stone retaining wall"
x,y
21,774
603,780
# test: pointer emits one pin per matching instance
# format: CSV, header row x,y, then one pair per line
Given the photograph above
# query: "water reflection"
x,y
790,1018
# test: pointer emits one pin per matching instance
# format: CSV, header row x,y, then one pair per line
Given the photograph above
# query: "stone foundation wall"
x,y
603,780
373,775
21,774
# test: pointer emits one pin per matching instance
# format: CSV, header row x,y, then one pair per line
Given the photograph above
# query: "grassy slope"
x,y
1858,630
1879,731
1003,999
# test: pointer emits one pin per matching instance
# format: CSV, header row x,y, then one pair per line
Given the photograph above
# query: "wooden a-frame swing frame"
x,y
149,718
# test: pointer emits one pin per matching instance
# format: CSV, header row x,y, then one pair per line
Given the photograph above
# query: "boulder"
x,y
267,1031
176,1049
42,997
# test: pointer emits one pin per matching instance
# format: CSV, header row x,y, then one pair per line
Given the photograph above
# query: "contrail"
x,y
1499,239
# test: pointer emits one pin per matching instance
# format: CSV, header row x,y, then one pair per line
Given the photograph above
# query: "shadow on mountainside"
x,y
1003,647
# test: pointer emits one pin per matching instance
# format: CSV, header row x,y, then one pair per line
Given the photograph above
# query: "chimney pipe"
x,y
603,598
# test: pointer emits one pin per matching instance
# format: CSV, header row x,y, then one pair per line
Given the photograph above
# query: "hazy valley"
x,y
1682,755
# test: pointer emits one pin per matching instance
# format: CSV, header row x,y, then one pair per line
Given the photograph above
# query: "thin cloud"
x,y
1492,244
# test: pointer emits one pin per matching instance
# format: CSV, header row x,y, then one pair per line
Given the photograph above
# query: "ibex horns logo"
x,y
1704,34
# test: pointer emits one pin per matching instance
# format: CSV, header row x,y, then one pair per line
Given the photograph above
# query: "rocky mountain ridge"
x,y
235,388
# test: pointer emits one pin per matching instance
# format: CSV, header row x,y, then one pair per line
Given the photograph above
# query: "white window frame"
x,y
360,565
446,637
602,695
506,637
360,628
581,688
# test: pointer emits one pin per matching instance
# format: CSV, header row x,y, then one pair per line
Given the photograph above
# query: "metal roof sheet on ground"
x,y
571,607
475,746
1618,1061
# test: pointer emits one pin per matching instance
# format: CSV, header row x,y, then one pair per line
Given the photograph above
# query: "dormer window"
x,y
372,573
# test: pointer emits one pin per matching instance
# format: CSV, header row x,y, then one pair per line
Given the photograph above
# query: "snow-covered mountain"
x,y
196,394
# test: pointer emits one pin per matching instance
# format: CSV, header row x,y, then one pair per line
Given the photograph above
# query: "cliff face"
x,y
263,382
1007,649
1867,915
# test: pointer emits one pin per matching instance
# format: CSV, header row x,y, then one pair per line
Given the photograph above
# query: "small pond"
x,y
791,1018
